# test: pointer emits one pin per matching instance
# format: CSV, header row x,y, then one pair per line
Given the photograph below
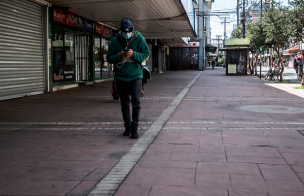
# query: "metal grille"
x,y
21,49
82,57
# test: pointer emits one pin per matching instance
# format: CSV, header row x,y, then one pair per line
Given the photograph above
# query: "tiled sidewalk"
x,y
65,143
210,146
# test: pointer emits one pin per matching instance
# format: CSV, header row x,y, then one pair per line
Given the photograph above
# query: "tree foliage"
x,y
257,37
277,29
297,19
237,33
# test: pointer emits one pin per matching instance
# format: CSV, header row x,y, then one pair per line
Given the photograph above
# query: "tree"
x,y
257,40
277,28
297,22
237,33
297,19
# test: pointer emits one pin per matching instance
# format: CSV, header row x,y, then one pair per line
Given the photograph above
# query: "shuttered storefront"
x,y
21,49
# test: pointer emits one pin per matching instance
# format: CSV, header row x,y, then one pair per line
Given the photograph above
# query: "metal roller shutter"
x,y
21,49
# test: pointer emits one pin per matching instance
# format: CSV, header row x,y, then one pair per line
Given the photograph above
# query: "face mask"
x,y
127,35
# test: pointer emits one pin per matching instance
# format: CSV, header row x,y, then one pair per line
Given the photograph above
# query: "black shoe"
x,y
134,133
127,132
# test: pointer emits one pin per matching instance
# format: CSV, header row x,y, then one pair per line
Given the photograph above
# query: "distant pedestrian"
x,y
127,51
213,63
146,76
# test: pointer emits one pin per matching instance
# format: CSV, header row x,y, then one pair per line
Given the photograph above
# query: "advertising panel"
x,y
231,69
64,73
103,30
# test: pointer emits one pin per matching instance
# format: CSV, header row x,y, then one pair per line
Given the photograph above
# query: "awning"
x,y
167,20
210,48
294,49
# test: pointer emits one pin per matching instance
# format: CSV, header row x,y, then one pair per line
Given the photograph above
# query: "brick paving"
x,y
195,139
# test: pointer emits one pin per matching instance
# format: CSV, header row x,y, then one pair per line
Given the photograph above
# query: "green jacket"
x,y
129,70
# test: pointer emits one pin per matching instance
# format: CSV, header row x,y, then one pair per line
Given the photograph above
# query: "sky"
x,y
226,5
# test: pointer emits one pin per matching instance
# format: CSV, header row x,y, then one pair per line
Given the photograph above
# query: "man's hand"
x,y
129,53
122,55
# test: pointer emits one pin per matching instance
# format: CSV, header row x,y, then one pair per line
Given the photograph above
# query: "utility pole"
x,y
237,12
225,26
218,41
244,18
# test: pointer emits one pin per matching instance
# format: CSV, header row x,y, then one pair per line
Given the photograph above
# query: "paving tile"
x,y
97,174
252,152
67,163
42,173
298,168
38,187
209,157
188,148
279,172
83,188
285,193
264,160
166,164
133,190
291,148
8,174
247,192
72,174
186,191
212,180
157,151
211,148
19,161
284,185
247,142
161,176
248,182
227,168
294,158
104,162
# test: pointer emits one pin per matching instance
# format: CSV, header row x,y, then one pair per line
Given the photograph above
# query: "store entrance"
x,y
82,57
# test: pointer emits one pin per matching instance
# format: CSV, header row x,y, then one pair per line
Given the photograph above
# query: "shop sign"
x,y
72,20
64,73
190,44
83,24
68,19
103,30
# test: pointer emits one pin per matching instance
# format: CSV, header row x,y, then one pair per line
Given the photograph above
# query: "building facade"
x,y
52,45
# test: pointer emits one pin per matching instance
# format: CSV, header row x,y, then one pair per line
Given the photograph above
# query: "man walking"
x,y
213,63
127,51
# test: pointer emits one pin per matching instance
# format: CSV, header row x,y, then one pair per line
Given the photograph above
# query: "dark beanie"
x,y
126,25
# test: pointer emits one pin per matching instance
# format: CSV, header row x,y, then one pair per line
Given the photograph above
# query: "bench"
x,y
275,72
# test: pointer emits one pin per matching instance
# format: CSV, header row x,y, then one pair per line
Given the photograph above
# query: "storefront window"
x,y
57,44
105,69
63,55
102,68
97,57
69,48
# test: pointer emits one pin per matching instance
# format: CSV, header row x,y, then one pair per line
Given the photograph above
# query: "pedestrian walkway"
x,y
201,133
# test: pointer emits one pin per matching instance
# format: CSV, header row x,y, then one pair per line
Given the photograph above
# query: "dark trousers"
x,y
126,90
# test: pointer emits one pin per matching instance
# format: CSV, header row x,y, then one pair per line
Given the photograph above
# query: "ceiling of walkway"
x,y
155,19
